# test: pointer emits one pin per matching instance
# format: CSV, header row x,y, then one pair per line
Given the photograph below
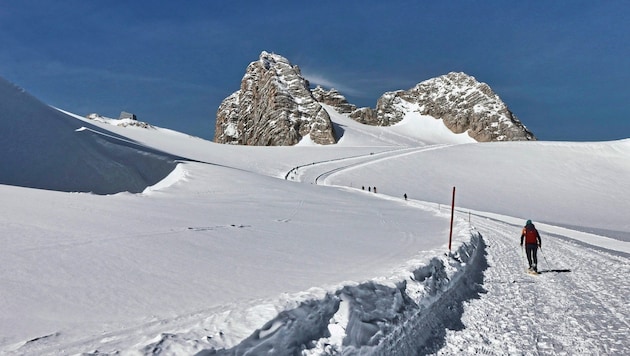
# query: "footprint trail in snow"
x,y
577,305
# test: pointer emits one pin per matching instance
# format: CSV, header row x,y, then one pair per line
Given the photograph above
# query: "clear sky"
x,y
562,67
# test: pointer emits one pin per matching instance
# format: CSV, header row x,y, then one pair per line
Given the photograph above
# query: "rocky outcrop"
x,y
333,98
122,122
463,103
274,107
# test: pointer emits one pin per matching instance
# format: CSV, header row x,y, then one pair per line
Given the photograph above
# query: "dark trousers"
x,y
532,254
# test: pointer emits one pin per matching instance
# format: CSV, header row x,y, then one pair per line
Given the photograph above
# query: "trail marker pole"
x,y
450,236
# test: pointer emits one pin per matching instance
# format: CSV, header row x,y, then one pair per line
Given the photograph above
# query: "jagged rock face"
x,y
229,127
333,98
463,103
274,107
389,110
366,116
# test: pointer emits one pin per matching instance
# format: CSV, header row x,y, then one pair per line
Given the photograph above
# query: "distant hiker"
x,y
405,195
532,243
362,187
369,189
374,189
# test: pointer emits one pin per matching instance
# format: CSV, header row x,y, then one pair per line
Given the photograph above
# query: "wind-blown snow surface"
x,y
45,148
224,257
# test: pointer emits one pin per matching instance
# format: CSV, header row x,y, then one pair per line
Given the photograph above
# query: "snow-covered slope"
x,y
41,148
573,184
413,130
224,257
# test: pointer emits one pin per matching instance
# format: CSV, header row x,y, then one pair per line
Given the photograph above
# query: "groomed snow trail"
x,y
583,311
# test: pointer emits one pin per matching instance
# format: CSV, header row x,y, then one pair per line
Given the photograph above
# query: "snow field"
x,y
115,271
220,255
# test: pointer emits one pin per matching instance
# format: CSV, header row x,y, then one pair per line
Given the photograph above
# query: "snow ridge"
x,y
377,317
46,148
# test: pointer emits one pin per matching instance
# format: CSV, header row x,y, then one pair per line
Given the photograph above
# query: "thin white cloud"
x,y
319,79
59,69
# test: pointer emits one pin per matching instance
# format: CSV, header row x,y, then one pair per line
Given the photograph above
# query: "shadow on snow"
x,y
555,270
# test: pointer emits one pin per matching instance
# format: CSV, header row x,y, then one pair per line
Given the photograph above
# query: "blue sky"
x,y
561,66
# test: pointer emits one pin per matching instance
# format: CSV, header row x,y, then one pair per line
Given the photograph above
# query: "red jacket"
x,y
531,235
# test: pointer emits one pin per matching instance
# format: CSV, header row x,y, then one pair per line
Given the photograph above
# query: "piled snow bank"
x,y
178,174
402,315
451,281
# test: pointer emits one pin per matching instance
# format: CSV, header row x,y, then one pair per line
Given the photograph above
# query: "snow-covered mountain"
x,y
309,249
275,107
463,103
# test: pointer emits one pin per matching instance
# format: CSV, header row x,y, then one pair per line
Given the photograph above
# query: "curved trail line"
x,y
338,170
293,172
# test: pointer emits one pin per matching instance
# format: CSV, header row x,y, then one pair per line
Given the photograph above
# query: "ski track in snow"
x,y
582,311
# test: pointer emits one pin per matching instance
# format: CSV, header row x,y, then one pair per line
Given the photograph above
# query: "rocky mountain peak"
x,y
466,104
273,107
268,60
463,103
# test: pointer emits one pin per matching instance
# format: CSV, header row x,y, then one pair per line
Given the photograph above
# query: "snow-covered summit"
x,y
269,59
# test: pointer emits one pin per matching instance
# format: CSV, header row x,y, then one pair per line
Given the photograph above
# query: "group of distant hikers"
x,y
370,189
373,189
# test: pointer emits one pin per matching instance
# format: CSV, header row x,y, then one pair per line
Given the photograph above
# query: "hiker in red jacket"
x,y
532,243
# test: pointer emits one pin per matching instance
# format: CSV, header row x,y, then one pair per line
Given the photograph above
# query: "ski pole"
x,y
547,262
